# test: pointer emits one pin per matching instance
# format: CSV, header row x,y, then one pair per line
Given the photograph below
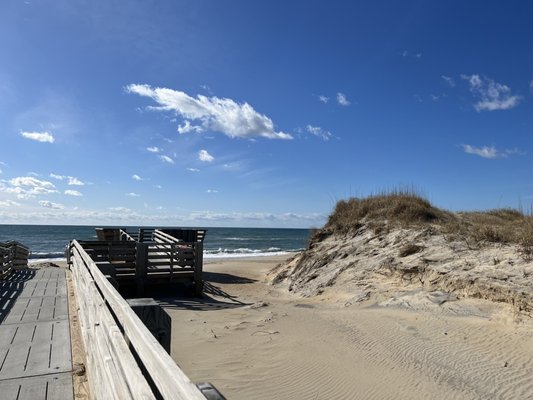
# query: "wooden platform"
x,y
35,350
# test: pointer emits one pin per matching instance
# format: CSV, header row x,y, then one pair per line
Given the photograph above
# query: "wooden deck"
x,y
35,349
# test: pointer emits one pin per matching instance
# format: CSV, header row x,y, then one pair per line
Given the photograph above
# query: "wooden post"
x,y
198,267
155,318
141,259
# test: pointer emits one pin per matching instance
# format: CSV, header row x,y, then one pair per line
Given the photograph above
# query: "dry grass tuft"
x,y
410,249
406,209
398,207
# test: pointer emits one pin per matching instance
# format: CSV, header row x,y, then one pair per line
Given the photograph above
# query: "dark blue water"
x,y
49,241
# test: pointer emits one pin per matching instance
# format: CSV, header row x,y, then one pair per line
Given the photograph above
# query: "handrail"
x,y
170,381
12,254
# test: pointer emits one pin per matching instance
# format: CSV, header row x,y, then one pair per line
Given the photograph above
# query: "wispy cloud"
x,y
131,194
319,132
491,95
488,151
71,180
74,193
449,80
343,100
166,159
153,149
531,86
136,177
158,186
236,120
43,137
8,203
212,191
204,156
193,169
26,187
123,215
406,53
323,99
49,204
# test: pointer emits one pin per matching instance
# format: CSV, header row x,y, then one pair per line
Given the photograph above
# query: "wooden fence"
x,y
124,360
12,255
149,256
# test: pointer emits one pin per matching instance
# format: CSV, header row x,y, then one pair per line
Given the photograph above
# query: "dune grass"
x,y
407,209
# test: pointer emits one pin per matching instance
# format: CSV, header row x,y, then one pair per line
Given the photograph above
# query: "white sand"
x,y
254,341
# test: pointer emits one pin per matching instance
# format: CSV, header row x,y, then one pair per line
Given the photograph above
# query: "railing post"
x,y
141,259
198,267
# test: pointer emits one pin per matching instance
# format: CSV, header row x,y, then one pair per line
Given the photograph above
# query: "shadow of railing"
x,y
214,297
11,287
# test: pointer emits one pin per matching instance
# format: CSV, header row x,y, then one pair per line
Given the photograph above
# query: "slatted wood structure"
x,y
35,356
12,255
124,360
149,256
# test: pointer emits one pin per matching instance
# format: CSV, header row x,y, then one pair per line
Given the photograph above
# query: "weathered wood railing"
x,y
124,360
149,256
12,254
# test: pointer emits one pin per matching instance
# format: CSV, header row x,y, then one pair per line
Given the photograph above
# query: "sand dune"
x,y
256,341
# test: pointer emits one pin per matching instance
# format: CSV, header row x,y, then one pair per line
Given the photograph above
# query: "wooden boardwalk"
x,y
35,346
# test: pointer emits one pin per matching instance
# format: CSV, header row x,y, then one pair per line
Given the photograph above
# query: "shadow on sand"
x,y
214,297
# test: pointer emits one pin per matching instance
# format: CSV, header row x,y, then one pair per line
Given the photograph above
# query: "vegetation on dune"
x,y
407,209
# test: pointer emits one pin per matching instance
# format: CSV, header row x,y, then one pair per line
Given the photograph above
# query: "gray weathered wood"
x,y
35,336
170,380
111,368
155,318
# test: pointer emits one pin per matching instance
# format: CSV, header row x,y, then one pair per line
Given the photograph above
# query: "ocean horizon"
x,y
48,242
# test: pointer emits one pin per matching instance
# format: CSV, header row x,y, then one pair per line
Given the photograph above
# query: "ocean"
x,y
47,242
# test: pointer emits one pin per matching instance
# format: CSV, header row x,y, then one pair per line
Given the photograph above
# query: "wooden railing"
x,y
12,254
124,360
149,255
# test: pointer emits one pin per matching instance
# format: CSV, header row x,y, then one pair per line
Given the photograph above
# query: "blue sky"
x,y
259,113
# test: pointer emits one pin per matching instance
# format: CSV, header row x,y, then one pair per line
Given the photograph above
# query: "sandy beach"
x,y
256,341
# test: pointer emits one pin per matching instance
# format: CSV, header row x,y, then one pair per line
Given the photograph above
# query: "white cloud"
x,y
323,99
154,149
212,191
136,177
131,194
125,216
342,99
31,182
8,203
121,209
188,127
158,186
216,114
58,177
27,187
319,132
73,193
204,156
531,86
488,151
449,80
49,204
72,180
193,169
43,137
166,159
491,95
